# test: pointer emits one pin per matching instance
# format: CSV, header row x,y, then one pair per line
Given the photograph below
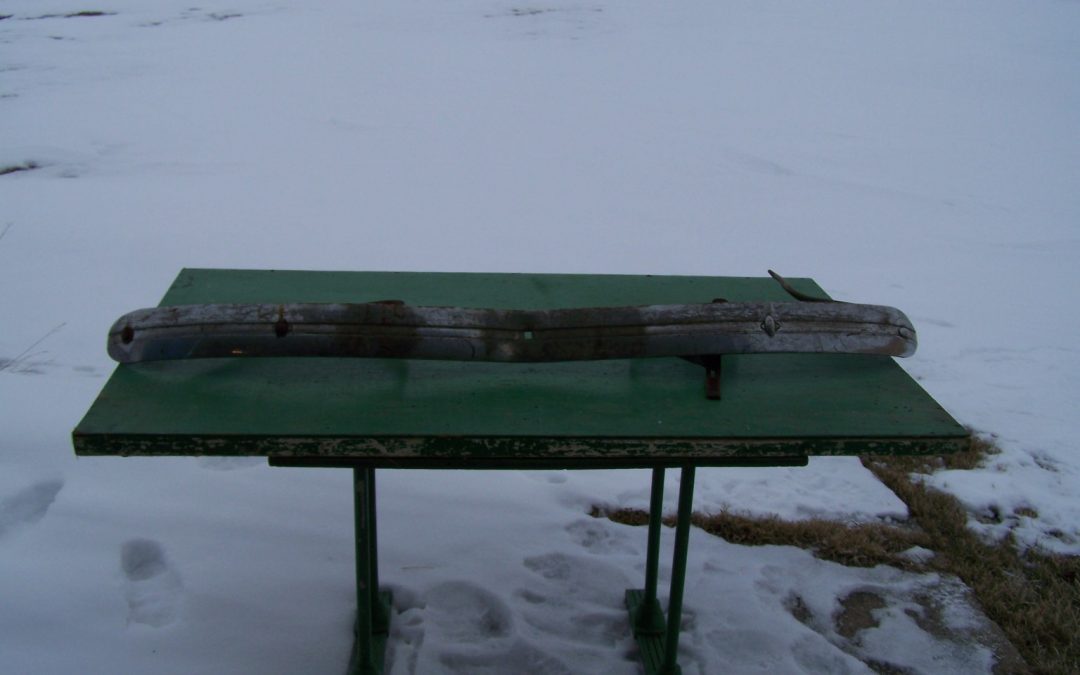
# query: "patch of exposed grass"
x,y
15,168
1033,596
528,11
21,363
73,15
979,450
855,545
634,517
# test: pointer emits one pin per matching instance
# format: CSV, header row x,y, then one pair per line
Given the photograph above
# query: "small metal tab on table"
x,y
365,414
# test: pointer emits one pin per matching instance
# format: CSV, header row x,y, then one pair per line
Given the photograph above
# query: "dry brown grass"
x,y
1034,597
856,545
973,456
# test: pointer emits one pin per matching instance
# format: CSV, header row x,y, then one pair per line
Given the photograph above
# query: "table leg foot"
x,y
646,617
374,665
650,630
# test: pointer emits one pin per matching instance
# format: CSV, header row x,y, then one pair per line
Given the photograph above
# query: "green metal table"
x,y
366,414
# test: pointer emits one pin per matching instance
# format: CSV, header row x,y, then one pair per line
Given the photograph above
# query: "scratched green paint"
x,y
416,411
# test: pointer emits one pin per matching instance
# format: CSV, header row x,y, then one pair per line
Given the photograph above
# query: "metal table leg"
x,y
372,607
646,616
678,571
380,610
657,638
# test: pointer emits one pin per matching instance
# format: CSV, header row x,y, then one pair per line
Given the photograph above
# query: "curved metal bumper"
x,y
396,330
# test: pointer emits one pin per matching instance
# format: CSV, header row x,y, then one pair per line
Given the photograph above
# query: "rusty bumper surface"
x,y
396,330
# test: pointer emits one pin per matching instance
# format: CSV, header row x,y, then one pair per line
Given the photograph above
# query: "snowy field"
x,y
919,154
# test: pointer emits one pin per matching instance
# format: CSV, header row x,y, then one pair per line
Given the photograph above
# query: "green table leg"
x,y
657,638
678,571
380,611
648,617
372,607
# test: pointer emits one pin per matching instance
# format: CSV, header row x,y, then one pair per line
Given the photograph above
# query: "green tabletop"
x,y
776,408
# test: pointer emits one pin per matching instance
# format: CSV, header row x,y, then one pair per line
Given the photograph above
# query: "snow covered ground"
x,y
919,154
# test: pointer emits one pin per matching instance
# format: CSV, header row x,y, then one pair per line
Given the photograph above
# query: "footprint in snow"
x,y
152,586
462,612
458,624
607,629
755,650
28,505
579,599
521,658
601,537
586,580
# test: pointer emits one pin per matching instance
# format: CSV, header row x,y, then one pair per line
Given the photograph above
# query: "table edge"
x,y
508,451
